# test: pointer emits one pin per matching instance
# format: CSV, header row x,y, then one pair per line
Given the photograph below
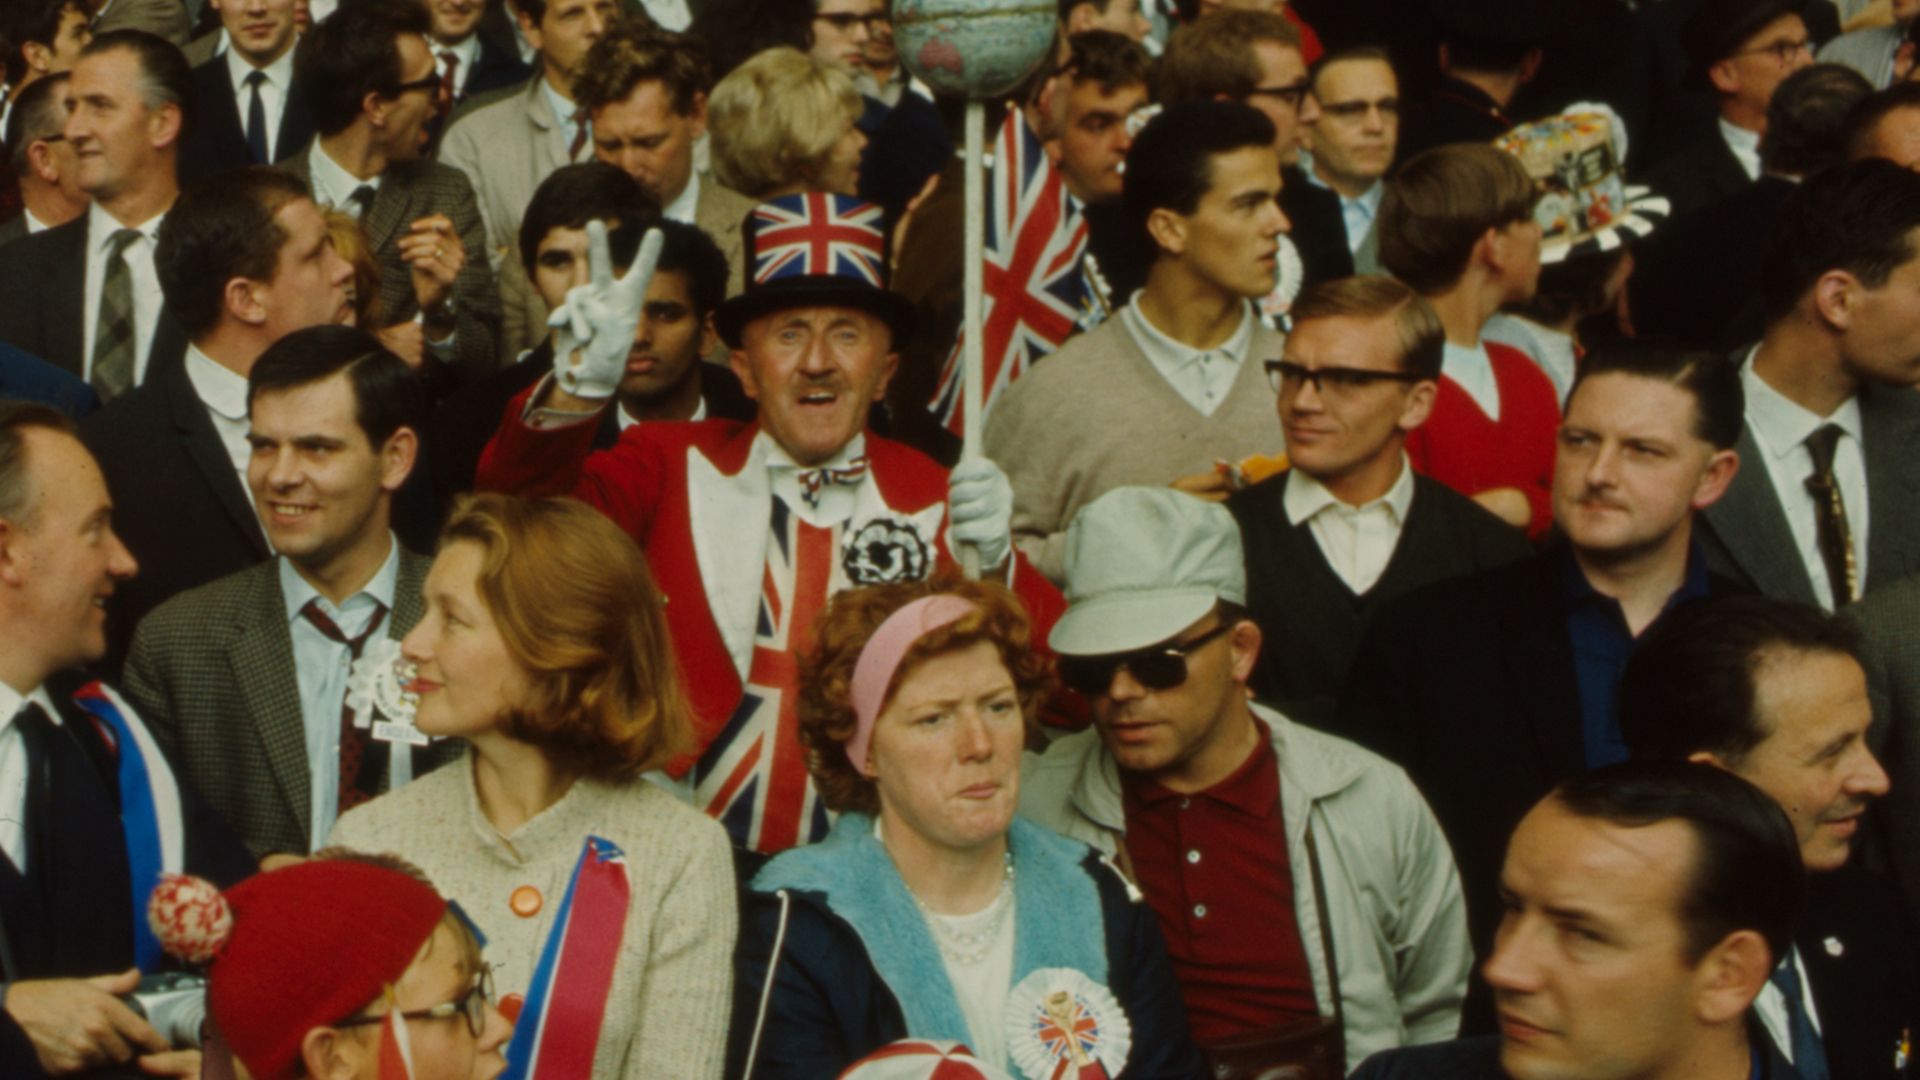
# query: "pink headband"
x,y
881,658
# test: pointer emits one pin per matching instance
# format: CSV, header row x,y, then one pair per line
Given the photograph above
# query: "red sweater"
x,y
1470,453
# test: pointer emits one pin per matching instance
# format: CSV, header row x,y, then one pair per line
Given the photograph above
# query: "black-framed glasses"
x,y
472,1004
1290,95
844,21
1285,376
1783,52
1357,110
425,82
1162,667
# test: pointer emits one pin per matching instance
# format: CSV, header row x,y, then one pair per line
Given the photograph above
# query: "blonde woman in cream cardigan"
x,y
544,647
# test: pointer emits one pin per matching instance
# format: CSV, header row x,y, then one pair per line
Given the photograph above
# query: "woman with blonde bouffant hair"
x,y
783,123
607,903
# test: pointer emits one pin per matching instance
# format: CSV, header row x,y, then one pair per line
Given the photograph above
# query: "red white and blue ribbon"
x,y
150,813
559,1026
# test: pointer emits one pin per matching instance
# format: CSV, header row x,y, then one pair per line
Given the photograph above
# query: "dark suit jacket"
x,y
1696,281
1700,175
1451,112
1319,230
1889,624
906,145
1479,1059
1746,535
13,228
178,503
213,672
410,190
217,140
1857,948
43,299
497,67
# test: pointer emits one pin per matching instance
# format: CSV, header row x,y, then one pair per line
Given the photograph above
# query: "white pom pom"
x,y
190,917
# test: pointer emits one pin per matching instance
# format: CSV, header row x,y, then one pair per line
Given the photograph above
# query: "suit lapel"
x,y
67,327
729,510
262,666
389,211
1543,670
1750,525
224,123
296,124
1891,446
209,456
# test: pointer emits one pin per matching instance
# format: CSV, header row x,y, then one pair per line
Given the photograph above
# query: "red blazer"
x,y
680,491
1463,448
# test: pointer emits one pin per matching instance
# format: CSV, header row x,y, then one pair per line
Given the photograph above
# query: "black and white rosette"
x,y
1062,1024
885,550
379,691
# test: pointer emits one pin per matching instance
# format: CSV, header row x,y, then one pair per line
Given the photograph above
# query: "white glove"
x,y
981,504
598,320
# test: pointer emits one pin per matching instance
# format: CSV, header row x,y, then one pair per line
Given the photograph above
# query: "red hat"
x,y
296,948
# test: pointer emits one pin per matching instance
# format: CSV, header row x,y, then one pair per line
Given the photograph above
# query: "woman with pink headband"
x,y
931,912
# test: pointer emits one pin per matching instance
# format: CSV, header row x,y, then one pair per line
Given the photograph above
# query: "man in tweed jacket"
x,y
245,679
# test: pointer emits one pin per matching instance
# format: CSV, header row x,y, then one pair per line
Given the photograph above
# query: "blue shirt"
x,y
1602,644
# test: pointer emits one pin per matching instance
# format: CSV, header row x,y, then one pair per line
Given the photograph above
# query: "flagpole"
x,y
974,356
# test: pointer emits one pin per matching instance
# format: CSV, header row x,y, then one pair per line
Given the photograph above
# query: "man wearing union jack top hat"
x,y
750,527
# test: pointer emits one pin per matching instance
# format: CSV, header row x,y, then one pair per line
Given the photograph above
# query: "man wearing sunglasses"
x,y
1350,526
1247,832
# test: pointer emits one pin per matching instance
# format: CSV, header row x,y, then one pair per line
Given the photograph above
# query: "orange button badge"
x,y
525,901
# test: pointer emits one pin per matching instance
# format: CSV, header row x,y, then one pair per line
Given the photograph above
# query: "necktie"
x,y
1830,517
362,199
36,732
579,134
1809,1056
113,339
257,120
363,761
813,481
449,64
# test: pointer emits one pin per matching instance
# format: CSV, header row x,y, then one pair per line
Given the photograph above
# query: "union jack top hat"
x,y
815,249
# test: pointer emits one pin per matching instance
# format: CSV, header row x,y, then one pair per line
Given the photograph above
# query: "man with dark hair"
x,y
1887,125
1349,525
1227,814
1181,386
1490,689
375,85
46,37
1832,508
1644,905
1487,51
1771,692
666,379
1457,225
86,794
1255,57
1353,141
251,109
43,160
1741,50
334,423
84,296
906,142
1695,283
244,261
1115,16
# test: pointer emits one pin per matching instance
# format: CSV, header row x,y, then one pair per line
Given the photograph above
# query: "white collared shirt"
x,y
1745,146
320,9
672,15
13,770
273,93
1781,428
888,92
1771,1006
563,126
1471,368
626,419
333,185
686,204
147,300
224,393
34,224
322,666
836,501
1202,377
1358,541
468,53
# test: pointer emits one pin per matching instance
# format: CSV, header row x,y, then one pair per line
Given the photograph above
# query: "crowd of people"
x,y
494,579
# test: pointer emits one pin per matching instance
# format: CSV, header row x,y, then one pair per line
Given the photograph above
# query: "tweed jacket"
x,y
506,148
212,670
409,191
165,18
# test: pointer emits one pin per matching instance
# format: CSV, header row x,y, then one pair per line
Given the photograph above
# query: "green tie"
x,y
113,339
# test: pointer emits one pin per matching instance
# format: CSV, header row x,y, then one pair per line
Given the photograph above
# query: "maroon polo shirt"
x,y
1214,866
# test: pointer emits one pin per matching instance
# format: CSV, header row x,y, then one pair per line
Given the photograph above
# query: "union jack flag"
x,y
818,234
1031,280
753,778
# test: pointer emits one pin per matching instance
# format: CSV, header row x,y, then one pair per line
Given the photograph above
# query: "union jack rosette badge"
x,y
380,693
1062,1025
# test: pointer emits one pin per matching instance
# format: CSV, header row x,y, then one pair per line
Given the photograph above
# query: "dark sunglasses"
x,y
472,1004
1285,375
424,82
1162,667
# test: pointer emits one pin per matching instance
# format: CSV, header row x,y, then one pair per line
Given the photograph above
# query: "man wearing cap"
x,y
1261,844
749,527
1741,50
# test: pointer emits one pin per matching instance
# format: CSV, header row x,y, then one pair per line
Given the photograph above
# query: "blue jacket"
x,y
854,966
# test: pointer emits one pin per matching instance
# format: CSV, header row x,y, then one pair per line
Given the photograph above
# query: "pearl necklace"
x,y
969,947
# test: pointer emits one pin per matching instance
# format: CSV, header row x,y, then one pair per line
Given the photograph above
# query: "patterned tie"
x,y
1830,517
363,761
813,481
1809,1056
579,135
257,120
449,63
113,339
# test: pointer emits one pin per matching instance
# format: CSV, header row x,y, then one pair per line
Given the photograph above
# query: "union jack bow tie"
x,y
813,481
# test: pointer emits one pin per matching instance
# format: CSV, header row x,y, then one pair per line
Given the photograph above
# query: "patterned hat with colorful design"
x,y
816,249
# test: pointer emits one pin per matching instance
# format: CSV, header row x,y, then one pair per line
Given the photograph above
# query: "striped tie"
x,y
113,339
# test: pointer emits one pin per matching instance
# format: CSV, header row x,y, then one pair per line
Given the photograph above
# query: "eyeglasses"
x,y
1783,52
1285,375
1160,668
844,21
424,82
1290,95
1355,110
472,1004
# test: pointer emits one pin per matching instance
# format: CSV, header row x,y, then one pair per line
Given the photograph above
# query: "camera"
x,y
175,1004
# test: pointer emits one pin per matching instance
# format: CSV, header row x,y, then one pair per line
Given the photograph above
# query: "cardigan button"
x,y
525,901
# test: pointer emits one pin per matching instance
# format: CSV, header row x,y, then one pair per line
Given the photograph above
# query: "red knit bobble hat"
x,y
304,947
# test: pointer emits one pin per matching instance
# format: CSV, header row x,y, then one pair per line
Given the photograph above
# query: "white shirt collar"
x,y
468,51
1306,497
34,224
1165,352
221,389
279,73
687,203
1471,367
1781,424
1745,146
332,183
101,226
563,109
627,420
12,701
296,591
834,503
